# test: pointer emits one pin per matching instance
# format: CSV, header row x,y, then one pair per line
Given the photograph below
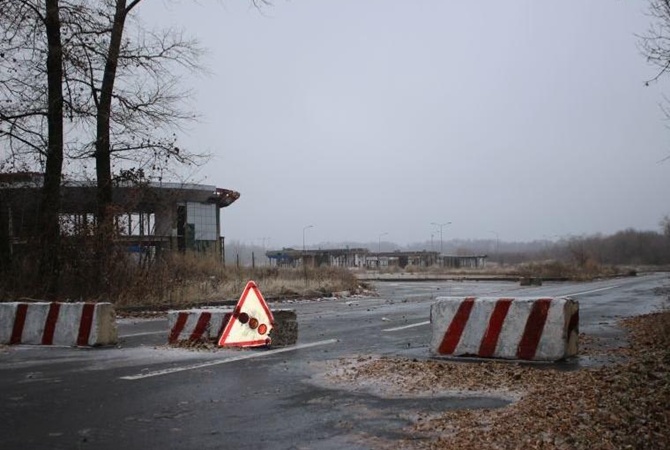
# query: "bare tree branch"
x,y
655,43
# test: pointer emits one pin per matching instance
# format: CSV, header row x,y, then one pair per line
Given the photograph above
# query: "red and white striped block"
x,y
206,325
539,329
195,325
53,323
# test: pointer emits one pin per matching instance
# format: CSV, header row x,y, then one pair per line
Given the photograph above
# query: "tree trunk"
x,y
5,236
103,162
50,204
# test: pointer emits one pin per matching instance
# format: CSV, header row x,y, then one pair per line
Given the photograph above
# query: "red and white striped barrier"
x,y
539,329
197,325
53,323
208,325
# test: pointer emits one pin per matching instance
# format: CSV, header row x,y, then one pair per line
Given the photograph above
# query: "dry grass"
x,y
173,280
558,269
186,280
545,269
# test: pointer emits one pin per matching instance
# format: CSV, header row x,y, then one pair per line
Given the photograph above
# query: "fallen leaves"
x,y
622,405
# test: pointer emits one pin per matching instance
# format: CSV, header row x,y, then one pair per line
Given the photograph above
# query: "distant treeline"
x,y
628,247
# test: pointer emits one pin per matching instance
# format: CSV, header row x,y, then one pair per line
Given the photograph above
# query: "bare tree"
x,y
23,23
655,43
23,104
128,115
119,95
50,208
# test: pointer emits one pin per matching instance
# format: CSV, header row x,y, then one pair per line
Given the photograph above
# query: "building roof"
x,y
80,195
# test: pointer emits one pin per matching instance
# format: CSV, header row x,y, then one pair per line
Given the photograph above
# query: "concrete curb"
x,y
534,329
206,325
54,323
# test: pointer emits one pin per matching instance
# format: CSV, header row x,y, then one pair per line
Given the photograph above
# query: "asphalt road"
x,y
143,395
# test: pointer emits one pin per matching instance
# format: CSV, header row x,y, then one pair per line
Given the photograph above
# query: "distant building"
x,y
462,262
363,258
150,217
342,257
401,259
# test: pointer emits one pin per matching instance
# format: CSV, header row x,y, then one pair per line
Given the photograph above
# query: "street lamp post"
x,y
304,266
303,241
440,225
265,252
497,245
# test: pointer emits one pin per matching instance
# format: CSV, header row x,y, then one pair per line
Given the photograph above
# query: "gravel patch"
x,y
624,403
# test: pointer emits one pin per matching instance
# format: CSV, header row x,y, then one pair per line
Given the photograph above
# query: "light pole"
x,y
303,243
497,245
265,250
440,225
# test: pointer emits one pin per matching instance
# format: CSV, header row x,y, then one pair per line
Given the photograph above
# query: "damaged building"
x,y
365,259
149,217
339,257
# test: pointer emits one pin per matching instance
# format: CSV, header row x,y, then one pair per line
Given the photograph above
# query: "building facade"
x,y
149,217
364,259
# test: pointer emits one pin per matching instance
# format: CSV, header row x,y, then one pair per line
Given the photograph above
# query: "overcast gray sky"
x,y
525,118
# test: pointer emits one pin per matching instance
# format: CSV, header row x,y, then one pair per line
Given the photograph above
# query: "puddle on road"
x,y
361,413
420,403
380,410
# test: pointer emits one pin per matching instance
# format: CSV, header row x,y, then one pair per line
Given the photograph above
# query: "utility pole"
x,y
440,225
497,245
303,249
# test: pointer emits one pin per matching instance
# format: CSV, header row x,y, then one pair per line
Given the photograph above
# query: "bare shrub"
x,y
589,270
170,280
186,279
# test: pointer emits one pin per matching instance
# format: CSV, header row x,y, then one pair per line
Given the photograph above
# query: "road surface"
x,y
143,394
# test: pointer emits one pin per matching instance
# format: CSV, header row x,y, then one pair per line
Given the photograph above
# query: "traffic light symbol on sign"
x,y
251,322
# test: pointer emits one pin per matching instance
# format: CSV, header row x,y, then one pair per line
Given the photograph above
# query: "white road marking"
x,y
143,334
596,290
227,360
404,327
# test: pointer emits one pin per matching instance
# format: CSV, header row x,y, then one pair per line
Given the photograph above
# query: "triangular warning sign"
x,y
251,322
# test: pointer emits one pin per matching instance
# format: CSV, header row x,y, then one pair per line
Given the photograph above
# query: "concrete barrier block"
x,y
206,326
285,330
537,329
7,314
106,332
197,325
55,323
530,281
